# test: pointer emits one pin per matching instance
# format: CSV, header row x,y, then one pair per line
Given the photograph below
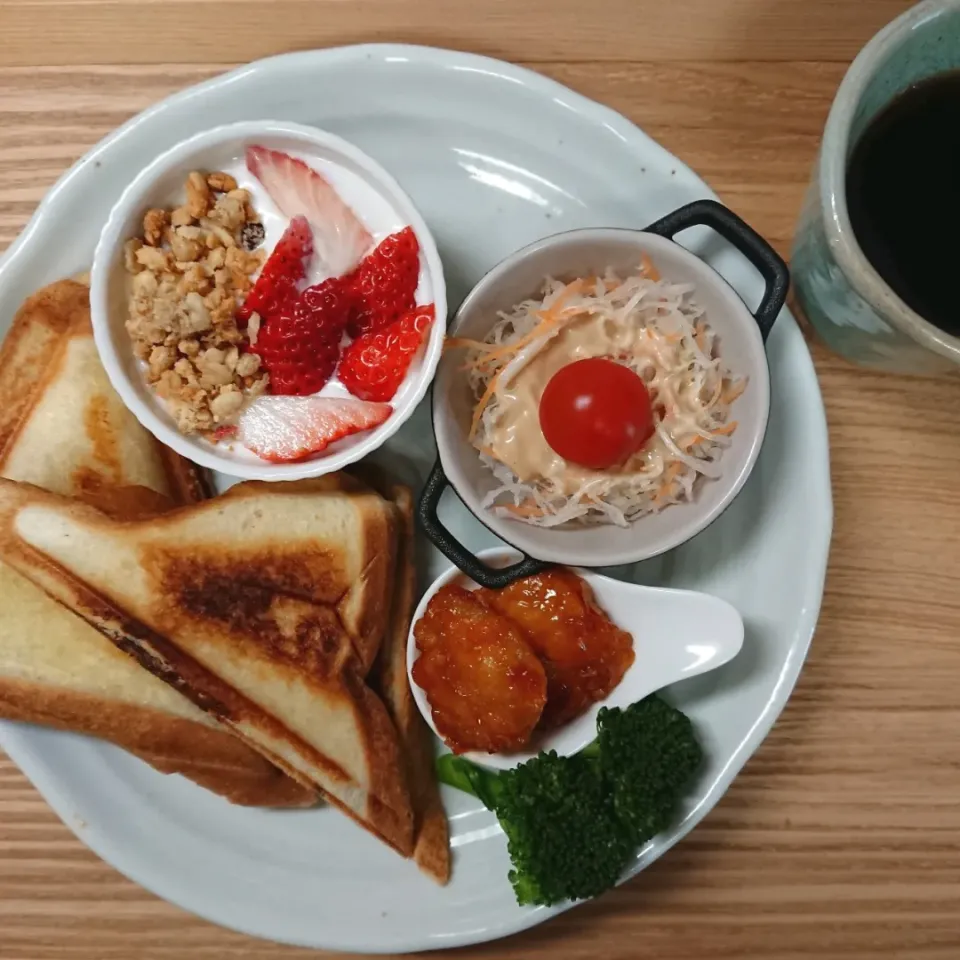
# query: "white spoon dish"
x,y
677,634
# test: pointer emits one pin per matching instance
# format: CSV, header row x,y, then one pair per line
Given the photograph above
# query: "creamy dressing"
x,y
515,438
649,324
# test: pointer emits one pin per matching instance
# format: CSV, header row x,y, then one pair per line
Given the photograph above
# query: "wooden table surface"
x,y
841,838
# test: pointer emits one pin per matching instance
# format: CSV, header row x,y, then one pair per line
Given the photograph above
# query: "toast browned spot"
x,y
246,604
62,427
364,603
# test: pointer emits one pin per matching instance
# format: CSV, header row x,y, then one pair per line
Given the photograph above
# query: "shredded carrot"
x,y
453,343
527,508
732,391
548,318
667,490
496,353
648,269
725,430
592,284
716,395
570,290
488,452
700,335
671,337
479,408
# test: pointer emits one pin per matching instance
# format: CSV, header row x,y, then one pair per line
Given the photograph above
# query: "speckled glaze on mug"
x,y
843,297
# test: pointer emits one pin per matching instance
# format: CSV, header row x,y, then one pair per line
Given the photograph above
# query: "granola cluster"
x,y
190,271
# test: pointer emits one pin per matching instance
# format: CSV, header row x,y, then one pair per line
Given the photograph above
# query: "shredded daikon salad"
x,y
651,325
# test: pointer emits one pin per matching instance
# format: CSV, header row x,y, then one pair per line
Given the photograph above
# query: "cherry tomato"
x,y
596,413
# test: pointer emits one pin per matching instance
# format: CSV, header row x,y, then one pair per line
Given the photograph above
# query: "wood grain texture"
x,y
60,32
841,839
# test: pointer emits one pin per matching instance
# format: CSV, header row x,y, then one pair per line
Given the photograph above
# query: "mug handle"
x,y
724,221
492,577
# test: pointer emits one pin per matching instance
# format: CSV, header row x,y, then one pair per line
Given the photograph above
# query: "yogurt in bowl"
x,y
315,339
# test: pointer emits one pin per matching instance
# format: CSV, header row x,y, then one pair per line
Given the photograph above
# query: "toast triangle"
x,y
63,428
247,604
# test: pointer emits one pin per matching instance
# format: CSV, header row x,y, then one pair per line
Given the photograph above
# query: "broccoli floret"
x,y
564,839
647,753
574,823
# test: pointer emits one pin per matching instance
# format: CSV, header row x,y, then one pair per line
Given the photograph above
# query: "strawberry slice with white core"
x,y
282,273
286,429
339,238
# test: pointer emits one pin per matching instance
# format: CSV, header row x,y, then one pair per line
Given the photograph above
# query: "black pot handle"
x,y
493,577
774,271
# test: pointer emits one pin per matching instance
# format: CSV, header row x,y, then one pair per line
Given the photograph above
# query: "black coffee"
x,y
903,194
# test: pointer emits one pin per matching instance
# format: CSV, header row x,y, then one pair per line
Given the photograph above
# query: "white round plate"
x,y
494,157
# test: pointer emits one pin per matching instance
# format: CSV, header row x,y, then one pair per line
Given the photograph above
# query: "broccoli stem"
x,y
463,775
455,772
479,782
591,751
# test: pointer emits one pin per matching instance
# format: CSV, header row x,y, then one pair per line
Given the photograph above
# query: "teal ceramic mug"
x,y
842,296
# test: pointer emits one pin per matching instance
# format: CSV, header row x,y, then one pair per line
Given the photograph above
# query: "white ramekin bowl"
x,y
161,184
581,253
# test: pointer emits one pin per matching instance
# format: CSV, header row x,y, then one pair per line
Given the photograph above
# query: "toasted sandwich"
x,y
266,606
389,678
64,429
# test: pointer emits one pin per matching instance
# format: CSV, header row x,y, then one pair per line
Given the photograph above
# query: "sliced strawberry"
x,y
283,429
299,342
374,365
284,269
298,190
385,284
226,431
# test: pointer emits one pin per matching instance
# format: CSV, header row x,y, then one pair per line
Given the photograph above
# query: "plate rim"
x,y
820,527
